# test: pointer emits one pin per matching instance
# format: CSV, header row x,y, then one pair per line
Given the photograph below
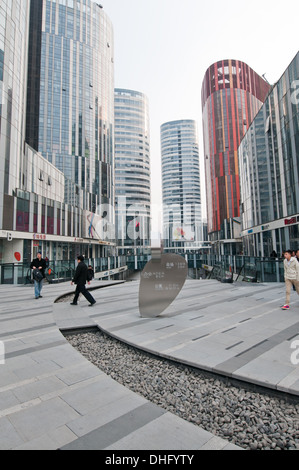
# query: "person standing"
x,y
38,265
291,276
80,279
90,274
297,258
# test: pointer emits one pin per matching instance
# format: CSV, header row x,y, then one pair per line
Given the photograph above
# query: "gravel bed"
x,y
65,298
249,419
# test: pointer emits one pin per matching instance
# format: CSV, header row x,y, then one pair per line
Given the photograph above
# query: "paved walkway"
x,y
237,330
53,398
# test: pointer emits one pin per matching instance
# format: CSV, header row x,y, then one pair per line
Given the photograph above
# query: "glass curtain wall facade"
x,y
13,71
70,105
57,129
269,169
132,169
13,83
182,218
232,94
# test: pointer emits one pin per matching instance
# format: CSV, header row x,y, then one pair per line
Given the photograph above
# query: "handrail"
x,y
239,274
267,269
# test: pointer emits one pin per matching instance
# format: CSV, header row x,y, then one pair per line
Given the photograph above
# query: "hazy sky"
x,y
164,47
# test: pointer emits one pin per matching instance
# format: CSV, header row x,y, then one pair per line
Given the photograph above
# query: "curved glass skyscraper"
x,y
269,168
56,131
232,94
13,87
132,168
70,114
13,84
182,219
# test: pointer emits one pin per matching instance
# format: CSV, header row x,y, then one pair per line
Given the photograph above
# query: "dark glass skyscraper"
x,y
70,105
232,94
269,169
13,83
56,130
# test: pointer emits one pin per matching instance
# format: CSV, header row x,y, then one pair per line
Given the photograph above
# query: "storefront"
x,y
19,247
277,236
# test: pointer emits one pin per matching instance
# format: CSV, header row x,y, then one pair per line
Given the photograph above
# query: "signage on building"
x,y
277,224
291,221
37,236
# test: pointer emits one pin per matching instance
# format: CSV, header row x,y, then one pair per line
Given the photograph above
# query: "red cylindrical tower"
x,y
232,94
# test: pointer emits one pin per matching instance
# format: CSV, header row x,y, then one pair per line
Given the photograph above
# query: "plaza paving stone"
x,y
237,330
53,398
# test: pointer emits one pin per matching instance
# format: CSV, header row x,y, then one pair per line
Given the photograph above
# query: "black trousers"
x,y
81,289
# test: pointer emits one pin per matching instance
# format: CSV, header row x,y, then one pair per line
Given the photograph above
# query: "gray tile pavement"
x,y
230,332
51,397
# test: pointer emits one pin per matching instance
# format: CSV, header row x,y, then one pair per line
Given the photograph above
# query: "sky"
x,y
164,47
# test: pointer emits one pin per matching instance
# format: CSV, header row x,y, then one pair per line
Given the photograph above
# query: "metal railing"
x,y
245,268
56,271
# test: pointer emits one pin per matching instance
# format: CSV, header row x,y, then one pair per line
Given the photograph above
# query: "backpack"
x,y
89,275
37,275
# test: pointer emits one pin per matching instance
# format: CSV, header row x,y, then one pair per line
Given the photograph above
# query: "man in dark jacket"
x,y
38,264
80,278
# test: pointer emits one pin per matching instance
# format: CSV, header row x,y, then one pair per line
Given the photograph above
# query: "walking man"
x,y
38,265
80,279
291,276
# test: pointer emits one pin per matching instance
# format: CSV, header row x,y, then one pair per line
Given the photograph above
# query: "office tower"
x,y
132,169
182,219
232,94
57,129
70,109
71,70
13,83
269,171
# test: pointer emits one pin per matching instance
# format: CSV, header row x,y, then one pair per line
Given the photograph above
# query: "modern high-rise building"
x,y
132,169
57,129
71,71
269,171
13,86
232,94
182,217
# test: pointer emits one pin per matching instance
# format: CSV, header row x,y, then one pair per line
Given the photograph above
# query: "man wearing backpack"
x,y
80,279
38,265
